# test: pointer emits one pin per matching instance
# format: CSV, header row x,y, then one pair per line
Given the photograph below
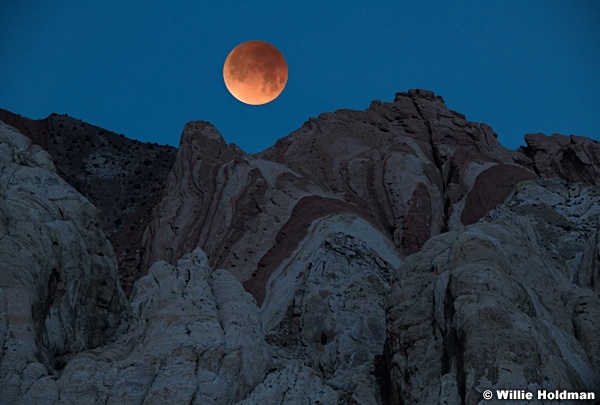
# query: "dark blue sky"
x,y
146,68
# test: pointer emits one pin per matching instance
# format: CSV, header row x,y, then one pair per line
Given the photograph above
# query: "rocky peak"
x,y
394,255
201,129
201,143
415,149
573,158
37,130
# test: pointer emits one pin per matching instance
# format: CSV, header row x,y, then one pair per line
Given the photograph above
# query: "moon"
x,y
255,72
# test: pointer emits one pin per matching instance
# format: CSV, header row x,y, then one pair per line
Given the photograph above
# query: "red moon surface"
x,y
255,72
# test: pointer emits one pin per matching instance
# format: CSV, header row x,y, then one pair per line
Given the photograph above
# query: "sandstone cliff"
x,y
394,255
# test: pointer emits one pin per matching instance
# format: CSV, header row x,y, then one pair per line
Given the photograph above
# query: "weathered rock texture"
x,y
194,338
394,255
412,168
59,289
509,301
122,177
573,158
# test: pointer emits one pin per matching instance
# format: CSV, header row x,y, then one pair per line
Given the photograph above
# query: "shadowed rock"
x,y
573,158
495,305
122,177
59,292
394,255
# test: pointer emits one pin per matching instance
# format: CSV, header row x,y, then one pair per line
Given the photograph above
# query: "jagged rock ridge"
x,y
395,255
410,167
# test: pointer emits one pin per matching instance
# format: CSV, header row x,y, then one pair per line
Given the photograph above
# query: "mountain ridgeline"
x,y
396,255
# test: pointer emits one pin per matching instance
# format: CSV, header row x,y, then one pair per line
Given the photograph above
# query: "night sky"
x,y
146,68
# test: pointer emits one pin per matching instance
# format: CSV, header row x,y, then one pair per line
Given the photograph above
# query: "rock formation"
x,y
123,178
506,302
572,158
394,255
59,292
411,167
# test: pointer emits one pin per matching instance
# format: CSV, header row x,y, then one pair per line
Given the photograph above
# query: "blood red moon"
x,y
255,72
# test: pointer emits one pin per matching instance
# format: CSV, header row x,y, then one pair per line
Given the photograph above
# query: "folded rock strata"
x,y
413,168
394,255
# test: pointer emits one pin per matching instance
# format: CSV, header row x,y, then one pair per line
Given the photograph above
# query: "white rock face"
x,y
194,337
502,303
59,291
326,307
294,384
